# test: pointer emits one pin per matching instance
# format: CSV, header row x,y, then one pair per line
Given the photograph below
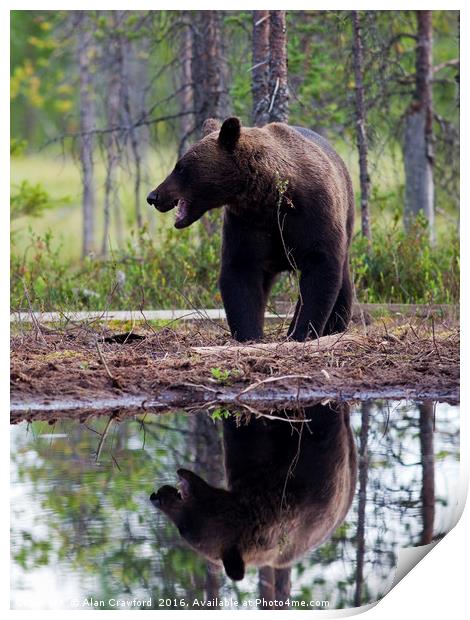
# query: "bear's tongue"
x,y
181,211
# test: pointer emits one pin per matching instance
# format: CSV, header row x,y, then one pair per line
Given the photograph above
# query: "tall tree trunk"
x,y
186,87
426,423
113,108
125,53
361,134
206,446
141,51
457,76
361,510
87,122
209,71
260,70
209,68
418,149
278,90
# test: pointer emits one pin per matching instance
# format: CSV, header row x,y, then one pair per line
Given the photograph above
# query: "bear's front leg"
x,y
243,297
242,281
320,282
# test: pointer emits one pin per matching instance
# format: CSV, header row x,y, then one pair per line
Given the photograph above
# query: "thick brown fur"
x,y
289,205
288,490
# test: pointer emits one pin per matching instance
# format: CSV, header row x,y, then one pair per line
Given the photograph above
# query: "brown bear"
x,y
290,485
289,205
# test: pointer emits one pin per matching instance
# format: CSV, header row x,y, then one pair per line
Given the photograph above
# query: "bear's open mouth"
x,y
183,488
182,212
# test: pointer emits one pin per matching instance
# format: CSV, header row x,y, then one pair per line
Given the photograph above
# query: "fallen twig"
x,y
114,381
103,438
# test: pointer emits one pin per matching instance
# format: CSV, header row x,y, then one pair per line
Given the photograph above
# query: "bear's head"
x,y
205,518
206,177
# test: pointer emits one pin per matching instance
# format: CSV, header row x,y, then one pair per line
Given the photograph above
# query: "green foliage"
x,y
220,413
181,269
177,270
403,267
17,147
221,376
32,200
40,63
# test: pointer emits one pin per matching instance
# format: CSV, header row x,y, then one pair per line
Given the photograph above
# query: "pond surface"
x,y
335,496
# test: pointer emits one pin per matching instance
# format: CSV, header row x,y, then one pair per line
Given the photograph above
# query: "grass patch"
x,y
180,270
60,177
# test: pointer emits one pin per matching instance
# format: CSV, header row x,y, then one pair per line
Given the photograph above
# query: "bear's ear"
x,y
230,133
233,563
210,125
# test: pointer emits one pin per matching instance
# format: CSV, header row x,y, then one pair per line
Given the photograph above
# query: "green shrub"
x,y
32,200
403,267
181,268
178,270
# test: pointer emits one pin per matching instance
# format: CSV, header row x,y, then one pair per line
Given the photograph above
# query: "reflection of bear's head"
x,y
290,486
209,519
212,173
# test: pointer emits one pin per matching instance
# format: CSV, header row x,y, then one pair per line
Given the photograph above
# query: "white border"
x,y
439,585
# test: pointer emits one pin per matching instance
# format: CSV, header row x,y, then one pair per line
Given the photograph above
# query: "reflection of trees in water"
x,y
205,446
274,584
362,501
399,446
102,529
426,423
99,517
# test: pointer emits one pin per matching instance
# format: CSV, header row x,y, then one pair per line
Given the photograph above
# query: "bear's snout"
x,y
152,198
163,198
155,500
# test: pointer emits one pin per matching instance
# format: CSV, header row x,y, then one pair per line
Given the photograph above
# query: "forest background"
x,y
102,103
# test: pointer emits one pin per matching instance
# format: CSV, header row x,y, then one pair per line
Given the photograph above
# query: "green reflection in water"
x,y
83,526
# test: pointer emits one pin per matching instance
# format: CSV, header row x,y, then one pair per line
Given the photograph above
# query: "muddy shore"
x,y
84,369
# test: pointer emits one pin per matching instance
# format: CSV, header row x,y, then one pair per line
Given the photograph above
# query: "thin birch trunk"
x,y
186,89
278,91
418,147
125,52
87,122
260,70
457,77
361,134
361,510
113,107
426,423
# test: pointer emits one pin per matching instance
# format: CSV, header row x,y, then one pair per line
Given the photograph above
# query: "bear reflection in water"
x,y
290,485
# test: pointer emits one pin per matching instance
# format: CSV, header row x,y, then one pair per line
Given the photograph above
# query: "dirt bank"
x,y
82,366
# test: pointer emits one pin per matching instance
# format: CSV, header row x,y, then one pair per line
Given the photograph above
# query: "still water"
x,y
329,501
